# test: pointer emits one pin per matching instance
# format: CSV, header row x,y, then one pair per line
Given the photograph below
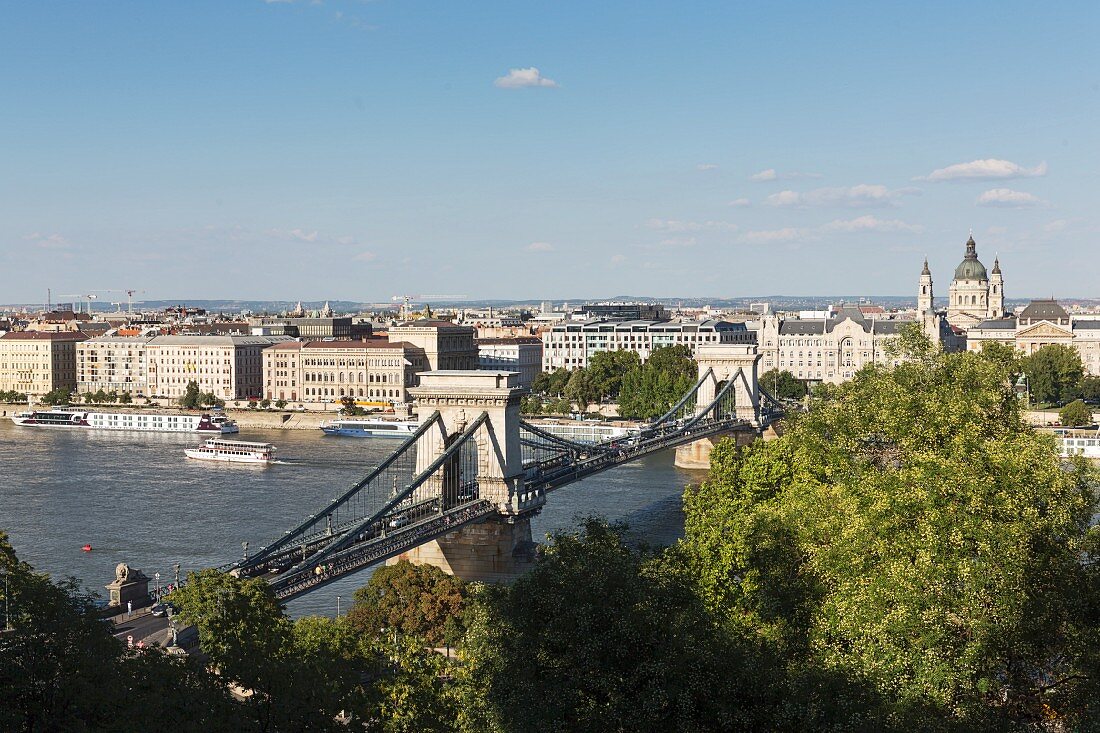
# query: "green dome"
x,y
971,268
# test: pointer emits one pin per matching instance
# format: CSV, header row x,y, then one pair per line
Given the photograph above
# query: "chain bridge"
x,y
460,491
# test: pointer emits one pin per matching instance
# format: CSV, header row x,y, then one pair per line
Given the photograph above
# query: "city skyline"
x,y
356,151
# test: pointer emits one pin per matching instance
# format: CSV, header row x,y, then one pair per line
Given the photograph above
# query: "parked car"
x,y
161,609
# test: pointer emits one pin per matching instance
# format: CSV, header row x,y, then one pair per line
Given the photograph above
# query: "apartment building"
x,y
445,344
372,370
520,354
230,367
113,363
37,362
570,344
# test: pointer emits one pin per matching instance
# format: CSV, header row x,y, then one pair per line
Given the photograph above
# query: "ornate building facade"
x,y
1041,323
975,295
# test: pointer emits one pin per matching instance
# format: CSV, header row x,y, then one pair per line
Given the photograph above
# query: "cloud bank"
x,y
523,78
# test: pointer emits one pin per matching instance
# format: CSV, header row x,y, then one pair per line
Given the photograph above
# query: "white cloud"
x,y
1007,198
47,241
770,174
618,259
788,234
862,195
739,203
678,242
521,78
988,169
365,257
707,167
870,223
677,225
540,247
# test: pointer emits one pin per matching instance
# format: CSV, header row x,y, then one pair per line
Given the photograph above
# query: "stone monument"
x,y
129,584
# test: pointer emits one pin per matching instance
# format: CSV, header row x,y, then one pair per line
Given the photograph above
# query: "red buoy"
x,y
86,548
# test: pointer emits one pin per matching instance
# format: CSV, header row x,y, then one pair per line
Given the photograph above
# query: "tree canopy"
x,y
420,600
1054,373
655,386
782,385
1075,414
911,534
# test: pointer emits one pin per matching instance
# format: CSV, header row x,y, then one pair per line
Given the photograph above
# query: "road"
x,y
143,626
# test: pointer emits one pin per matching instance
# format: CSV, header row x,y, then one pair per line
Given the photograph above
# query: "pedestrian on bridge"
x,y
129,608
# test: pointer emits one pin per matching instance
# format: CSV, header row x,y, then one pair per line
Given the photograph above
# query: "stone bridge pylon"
x,y
721,364
500,547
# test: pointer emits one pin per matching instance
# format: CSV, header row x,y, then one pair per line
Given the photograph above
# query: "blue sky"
x,y
357,150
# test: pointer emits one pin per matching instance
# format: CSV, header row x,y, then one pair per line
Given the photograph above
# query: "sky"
x,y
343,149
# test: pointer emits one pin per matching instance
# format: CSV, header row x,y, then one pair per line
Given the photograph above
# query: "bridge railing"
x,y
450,480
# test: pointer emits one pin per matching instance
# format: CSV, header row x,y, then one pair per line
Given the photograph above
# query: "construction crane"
x,y
406,299
87,297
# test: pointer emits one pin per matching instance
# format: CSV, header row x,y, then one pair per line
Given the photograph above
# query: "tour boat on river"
x,y
1077,442
68,417
370,428
233,451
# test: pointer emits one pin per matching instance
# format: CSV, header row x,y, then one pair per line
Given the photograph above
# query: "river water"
x,y
135,498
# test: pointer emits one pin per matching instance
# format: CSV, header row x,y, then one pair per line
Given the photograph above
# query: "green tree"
x,y
280,404
191,399
556,381
350,408
581,390
265,403
300,682
56,396
601,636
605,372
89,398
414,599
783,385
62,670
1090,389
897,535
1075,414
1008,357
659,383
125,398
1054,373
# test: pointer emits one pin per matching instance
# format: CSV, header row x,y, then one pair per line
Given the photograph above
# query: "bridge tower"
x,y
725,362
499,548
731,362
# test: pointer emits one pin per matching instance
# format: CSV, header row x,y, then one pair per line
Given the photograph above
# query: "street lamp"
x,y
156,577
337,606
244,546
176,567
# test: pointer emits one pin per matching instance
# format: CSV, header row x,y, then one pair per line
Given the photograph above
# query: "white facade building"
x,y
520,354
569,345
230,367
113,363
1041,323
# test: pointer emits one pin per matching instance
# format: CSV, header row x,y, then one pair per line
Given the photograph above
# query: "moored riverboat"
x,y
370,428
68,417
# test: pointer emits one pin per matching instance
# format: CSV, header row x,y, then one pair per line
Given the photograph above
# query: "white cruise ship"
x,y
74,418
233,451
1077,442
370,428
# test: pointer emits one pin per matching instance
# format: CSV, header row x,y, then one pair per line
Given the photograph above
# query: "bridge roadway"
x,y
426,523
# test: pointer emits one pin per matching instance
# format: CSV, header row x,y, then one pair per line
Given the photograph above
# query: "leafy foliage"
x,y
12,396
419,600
1054,373
600,636
191,398
653,388
896,535
57,396
783,385
1075,414
61,669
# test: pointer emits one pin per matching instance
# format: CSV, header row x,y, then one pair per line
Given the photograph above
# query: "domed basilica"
x,y
975,295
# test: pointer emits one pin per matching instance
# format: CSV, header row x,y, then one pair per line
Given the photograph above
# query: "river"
x,y
135,498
